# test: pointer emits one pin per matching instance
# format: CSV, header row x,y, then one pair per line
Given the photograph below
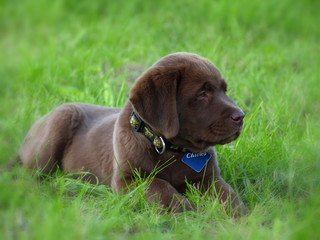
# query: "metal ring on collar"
x,y
163,147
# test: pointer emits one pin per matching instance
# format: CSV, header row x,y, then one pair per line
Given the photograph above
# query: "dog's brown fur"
x,y
182,97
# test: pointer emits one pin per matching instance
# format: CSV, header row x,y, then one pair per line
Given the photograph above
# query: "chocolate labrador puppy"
x,y
177,111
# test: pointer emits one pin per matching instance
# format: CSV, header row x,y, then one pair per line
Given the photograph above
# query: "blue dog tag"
x,y
196,160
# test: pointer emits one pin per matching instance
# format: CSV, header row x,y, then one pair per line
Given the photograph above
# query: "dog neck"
x,y
161,144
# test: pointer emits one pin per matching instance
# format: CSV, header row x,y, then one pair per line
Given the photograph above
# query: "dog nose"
x,y
237,117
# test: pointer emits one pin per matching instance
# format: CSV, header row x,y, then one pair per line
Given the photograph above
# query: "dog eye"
x,y
202,94
224,86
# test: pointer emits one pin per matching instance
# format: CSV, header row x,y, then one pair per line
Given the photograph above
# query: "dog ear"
x,y
154,99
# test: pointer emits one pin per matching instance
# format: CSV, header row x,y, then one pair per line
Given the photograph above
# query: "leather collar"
x,y
160,143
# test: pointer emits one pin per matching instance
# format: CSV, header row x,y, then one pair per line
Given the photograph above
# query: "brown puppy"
x,y
178,109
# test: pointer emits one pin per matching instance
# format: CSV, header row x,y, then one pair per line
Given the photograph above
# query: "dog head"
x,y
183,98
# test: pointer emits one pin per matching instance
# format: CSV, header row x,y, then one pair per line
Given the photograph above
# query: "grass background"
x,y
90,51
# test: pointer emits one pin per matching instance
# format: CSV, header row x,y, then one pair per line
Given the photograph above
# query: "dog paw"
x,y
180,204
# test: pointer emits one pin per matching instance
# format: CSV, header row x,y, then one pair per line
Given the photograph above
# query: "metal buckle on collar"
x,y
159,143
135,122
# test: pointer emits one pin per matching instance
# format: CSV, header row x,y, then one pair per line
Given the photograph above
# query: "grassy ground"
x,y
89,51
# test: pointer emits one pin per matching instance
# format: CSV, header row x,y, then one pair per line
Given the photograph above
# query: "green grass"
x,y
89,51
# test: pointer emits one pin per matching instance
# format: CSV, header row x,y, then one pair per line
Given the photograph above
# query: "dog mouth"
x,y
229,139
202,145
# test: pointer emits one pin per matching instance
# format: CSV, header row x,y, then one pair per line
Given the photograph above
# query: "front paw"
x,y
180,204
239,211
